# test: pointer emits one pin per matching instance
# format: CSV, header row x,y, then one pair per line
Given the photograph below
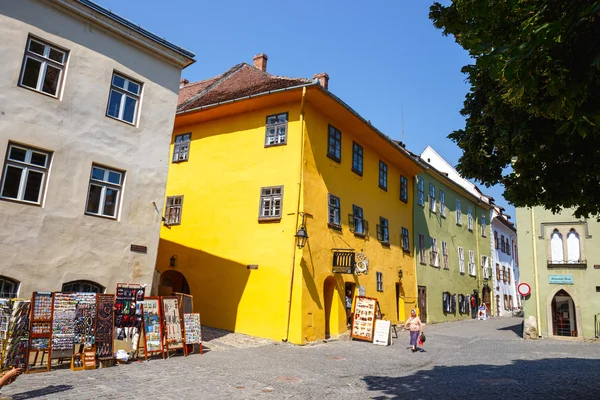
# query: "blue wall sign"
x,y
561,279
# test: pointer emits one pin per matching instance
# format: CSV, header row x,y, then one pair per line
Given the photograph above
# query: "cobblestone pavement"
x,y
483,359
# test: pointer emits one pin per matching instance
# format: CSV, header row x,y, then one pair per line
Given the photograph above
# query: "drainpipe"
x,y
300,180
535,273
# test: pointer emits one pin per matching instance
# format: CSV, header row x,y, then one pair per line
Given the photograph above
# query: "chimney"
x,y
183,82
323,79
260,61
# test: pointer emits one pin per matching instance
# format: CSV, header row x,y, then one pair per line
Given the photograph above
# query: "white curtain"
x,y
556,243
573,249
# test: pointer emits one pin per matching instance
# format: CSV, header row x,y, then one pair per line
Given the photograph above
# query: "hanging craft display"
x,y
63,327
363,321
152,326
172,323
104,324
192,328
85,318
15,313
128,314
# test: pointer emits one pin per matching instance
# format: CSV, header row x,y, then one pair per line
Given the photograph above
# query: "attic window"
x,y
276,132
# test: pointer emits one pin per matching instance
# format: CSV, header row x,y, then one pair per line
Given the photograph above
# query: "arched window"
x,y
9,288
82,286
556,244
573,249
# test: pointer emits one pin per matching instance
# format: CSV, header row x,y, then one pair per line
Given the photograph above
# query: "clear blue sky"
x,y
377,57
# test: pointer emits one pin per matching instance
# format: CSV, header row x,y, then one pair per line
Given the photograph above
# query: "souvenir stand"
x,y
84,329
105,304
14,329
186,306
193,330
40,331
363,323
172,325
128,315
153,335
63,328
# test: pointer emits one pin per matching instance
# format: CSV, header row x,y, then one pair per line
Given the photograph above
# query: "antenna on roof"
x,y
403,123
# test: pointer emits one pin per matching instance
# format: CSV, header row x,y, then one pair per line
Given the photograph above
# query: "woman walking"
x,y
415,327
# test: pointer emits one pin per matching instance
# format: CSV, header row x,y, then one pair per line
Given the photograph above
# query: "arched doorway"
x,y
400,307
331,307
563,315
487,299
173,281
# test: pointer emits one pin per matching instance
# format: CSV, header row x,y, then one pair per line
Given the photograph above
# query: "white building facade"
x,y
504,263
87,105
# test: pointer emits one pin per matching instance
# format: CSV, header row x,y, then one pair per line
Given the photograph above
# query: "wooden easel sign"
x,y
172,325
383,333
363,321
153,336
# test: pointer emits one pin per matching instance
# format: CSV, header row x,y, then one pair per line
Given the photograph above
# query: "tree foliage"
x,y
534,103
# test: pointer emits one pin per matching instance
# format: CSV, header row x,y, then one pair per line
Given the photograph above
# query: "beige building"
x,y
87,104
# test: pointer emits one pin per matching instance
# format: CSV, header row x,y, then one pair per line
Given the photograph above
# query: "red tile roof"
x,y
240,81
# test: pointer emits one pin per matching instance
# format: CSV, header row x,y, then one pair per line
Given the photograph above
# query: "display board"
x,y
192,328
85,319
186,303
40,332
383,333
172,323
127,314
104,324
15,334
363,322
152,326
63,327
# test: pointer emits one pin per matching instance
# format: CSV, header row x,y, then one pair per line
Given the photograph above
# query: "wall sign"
x,y
136,248
343,262
560,279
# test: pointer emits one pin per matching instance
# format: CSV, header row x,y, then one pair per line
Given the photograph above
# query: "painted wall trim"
x,y
544,224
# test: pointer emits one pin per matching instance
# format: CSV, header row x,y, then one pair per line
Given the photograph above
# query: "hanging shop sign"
x,y
560,279
362,264
40,331
63,327
85,319
524,289
192,328
383,333
343,262
104,325
152,326
14,331
363,321
172,323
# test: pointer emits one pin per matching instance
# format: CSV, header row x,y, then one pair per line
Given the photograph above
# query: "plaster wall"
x,y
507,262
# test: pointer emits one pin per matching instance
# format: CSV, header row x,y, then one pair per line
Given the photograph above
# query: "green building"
x,y
560,261
452,243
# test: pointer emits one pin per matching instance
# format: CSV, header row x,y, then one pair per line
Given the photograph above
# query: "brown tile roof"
x,y
240,81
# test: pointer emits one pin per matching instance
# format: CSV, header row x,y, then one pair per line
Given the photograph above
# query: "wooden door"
x,y
422,302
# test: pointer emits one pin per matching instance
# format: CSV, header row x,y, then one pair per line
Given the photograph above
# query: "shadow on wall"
x,y
217,284
571,378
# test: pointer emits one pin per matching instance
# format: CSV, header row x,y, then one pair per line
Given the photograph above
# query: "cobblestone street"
x,y
469,358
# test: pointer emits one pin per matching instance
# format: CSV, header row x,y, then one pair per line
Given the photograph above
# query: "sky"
x,y
380,56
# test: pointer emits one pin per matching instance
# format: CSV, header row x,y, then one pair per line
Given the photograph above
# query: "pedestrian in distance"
x,y
415,327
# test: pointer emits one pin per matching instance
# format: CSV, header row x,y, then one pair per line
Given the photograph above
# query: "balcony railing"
x,y
567,264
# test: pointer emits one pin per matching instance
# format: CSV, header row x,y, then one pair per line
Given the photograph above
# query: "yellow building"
x,y
255,157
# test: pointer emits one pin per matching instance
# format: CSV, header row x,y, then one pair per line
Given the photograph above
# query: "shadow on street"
x,y
32,394
517,329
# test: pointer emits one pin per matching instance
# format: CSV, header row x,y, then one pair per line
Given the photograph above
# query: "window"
x,y
470,218
485,267
173,210
43,67
357,158
556,245
334,211
573,249
505,302
445,254
513,248
496,244
104,191
379,276
498,275
507,247
504,274
461,260
431,197
405,240
404,189
483,225
334,144
25,172
434,255
420,191
276,131
82,286
383,233
271,202
181,147
124,99
422,248
472,270
442,203
510,302
383,172
458,213
508,274
502,244
357,223
9,288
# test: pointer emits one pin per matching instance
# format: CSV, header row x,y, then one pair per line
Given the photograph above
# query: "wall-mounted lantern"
x,y
400,274
301,237
172,261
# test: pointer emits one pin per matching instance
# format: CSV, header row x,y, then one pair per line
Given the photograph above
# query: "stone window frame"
x,y
563,228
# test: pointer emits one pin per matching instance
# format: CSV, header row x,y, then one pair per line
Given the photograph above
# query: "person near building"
x,y
349,307
415,327
482,315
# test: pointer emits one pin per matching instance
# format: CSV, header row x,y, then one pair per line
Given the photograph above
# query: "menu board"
x,y
63,327
15,314
152,331
85,319
363,321
172,323
127,314
104,324
192,328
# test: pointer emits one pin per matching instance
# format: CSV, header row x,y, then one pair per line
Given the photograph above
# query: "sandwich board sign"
x,y
383,333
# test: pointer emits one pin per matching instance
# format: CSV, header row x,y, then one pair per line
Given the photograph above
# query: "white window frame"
x,y
276,139
445,255
173,210
379,279
125,93
181,149
442,203
104,184
420,191
485,266
331,210
271,200
434,255
432,198
45,61
472,270
26,166
470,218
483,226
461,260
458,213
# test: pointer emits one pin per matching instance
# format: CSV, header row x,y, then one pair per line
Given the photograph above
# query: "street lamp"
x,y
301,237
